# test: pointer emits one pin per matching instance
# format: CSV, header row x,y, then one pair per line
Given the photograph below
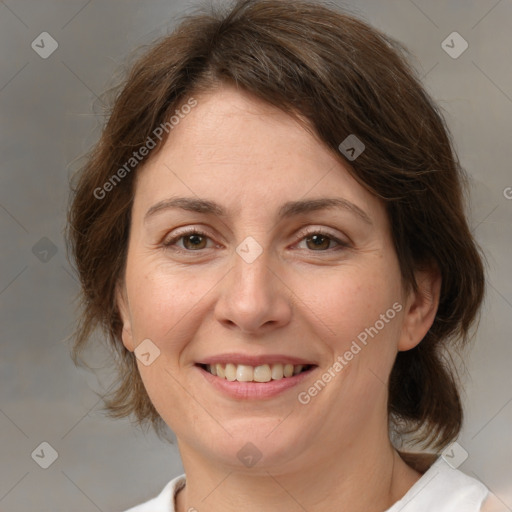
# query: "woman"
x,y
271,233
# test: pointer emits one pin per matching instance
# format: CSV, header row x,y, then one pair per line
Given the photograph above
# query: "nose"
x,y
254,297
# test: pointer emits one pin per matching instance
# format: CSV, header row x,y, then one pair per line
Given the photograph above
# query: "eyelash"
x,y
303,234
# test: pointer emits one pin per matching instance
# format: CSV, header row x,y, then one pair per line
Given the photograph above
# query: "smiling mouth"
x,y
262,373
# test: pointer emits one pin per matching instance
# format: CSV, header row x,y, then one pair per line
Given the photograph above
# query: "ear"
x,y
421,308
124,312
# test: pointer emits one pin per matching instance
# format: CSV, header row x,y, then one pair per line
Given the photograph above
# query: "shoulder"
x,y
164,502
443,489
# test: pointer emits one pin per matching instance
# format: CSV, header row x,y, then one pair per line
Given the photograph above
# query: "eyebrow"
x,y
289,209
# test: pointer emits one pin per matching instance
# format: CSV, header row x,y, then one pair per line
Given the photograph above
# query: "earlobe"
x,y
421,309
122,306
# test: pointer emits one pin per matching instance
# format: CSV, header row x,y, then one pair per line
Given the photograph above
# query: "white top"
x,y
441,488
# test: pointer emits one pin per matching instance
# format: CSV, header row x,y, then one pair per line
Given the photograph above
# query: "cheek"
x,y
165,303
161,299
350,299
346,308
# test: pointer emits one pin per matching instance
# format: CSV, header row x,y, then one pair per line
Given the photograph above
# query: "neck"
x,y
367,478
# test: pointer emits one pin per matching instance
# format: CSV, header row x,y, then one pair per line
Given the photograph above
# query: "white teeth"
x,y
230,372
288,370
244,373
262,373
277,371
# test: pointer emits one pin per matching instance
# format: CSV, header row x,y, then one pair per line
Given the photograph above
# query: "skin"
x,y
333,453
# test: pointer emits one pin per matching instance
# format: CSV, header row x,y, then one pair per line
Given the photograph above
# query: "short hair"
x,y
338,76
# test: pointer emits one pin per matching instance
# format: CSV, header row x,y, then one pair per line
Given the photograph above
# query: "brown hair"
x,y
342,77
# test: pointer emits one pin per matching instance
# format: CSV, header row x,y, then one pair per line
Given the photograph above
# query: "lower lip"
x,y
254,390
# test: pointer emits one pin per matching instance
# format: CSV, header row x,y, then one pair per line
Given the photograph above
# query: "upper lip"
x,y
254,360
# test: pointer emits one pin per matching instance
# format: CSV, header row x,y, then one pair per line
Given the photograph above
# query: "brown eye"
x,y
194,241
318,242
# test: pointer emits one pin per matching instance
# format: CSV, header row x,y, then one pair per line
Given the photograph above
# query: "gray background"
x,y
48,121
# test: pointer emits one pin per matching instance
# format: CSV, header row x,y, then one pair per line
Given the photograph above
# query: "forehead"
x,y
246,154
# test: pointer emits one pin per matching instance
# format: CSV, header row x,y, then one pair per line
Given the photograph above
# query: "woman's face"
x,y
268,280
